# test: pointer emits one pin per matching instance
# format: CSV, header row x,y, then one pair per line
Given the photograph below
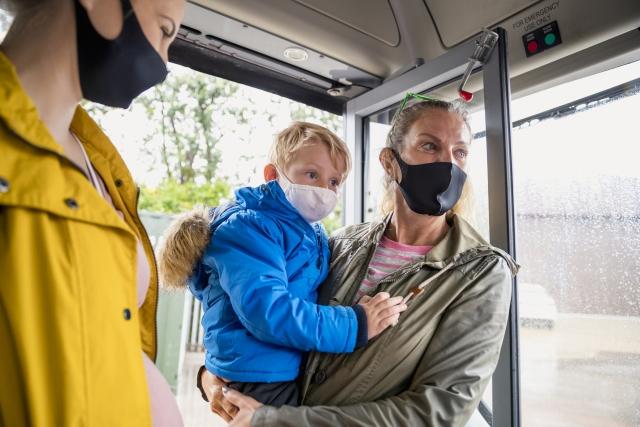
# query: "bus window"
x,y
227,128
193,139
572,154
577,193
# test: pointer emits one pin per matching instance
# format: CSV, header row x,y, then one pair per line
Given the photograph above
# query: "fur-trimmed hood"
x,y
183,244
188,236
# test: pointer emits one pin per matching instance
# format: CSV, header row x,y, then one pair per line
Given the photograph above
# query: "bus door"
x,y
481,63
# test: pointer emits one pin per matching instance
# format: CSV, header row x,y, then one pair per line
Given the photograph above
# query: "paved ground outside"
x,y
195,411
584,372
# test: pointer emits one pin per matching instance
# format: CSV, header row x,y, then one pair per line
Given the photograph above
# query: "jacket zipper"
x,y
352,292
389,278
314,361
320,253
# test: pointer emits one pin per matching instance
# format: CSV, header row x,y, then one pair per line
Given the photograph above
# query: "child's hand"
x,y
382,311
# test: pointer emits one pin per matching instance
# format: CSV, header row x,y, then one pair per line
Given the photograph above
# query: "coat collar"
x,y
20,115
461,244
270,196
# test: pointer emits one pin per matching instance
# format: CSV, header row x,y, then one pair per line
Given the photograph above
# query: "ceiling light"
x,y
296,54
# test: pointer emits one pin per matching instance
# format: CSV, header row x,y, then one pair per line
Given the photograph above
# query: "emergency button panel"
x,y
541,39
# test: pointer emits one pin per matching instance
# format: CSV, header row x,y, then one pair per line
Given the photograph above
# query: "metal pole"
x,y
354,188
497,98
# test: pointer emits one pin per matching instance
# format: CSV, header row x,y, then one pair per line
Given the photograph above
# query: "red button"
x,y
532,46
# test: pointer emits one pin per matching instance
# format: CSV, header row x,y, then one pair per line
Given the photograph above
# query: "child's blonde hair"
x,y
302,134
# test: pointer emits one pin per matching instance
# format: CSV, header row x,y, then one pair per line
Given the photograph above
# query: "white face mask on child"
x,y
313,203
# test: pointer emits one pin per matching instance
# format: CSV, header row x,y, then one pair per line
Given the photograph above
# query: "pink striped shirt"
x,y
389,257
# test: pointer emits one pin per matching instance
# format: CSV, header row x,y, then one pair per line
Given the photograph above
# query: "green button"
x,y
550,39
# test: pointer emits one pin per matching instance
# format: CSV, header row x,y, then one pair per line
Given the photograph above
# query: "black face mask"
x,y
431,188
114,72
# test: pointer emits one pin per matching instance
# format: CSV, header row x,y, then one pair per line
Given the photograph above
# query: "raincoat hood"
x,y
187,237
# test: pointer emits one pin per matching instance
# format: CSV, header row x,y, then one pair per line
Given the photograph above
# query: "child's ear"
x,y
270,172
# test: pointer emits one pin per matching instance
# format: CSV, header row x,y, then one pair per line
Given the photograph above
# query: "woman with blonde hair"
x,y
433,366
78,292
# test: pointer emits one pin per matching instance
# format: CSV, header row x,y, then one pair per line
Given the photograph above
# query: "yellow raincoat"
x,y
71,335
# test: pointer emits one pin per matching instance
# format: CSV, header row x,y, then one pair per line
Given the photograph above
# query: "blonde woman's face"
x,y
159,20
437,136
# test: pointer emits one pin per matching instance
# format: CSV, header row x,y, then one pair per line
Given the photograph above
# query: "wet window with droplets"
x,y
576,173
577,200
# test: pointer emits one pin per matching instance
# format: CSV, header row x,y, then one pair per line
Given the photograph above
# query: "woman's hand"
x,y
247,407
382,311
212,386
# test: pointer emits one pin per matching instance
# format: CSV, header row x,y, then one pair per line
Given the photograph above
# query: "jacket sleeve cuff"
x,y
264,416
363,334
199,382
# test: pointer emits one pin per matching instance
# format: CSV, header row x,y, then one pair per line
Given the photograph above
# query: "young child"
x,y
264,259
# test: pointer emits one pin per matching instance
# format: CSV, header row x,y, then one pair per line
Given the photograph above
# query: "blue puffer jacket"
x,y
257,281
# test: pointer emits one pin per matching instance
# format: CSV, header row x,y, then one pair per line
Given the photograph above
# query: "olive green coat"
x,y
432,368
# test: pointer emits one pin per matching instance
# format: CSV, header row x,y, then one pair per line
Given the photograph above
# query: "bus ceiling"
x,y
325,52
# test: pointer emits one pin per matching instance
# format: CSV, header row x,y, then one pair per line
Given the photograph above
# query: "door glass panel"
x,y
5,22
577,191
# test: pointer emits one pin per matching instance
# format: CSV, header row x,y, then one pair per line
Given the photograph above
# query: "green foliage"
x,y
173,197
188,109
96,111
334,220
309,114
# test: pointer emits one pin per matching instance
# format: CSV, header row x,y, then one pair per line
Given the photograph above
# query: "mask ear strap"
x,y
401,163
280,174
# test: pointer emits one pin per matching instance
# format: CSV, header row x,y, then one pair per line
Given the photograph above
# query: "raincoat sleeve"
x,y
248,252
450,378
